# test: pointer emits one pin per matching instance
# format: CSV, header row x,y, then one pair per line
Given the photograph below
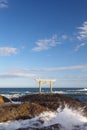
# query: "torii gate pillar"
x,y
39,86
50,87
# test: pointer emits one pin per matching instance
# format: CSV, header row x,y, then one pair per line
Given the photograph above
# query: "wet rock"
x,y
51,127
52,101
20,111
23,128
3,100
37,103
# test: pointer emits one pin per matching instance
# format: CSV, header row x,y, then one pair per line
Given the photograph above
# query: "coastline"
x,y
31,107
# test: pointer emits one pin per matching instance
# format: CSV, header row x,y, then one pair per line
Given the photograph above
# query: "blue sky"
x,y
43,39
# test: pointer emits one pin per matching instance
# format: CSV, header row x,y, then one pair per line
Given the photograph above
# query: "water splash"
x,y
68,119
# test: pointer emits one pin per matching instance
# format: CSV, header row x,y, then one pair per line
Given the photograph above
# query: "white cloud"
x,y
82,34
24,75
45,44
16,75
64,37
81,67
63,68
7,51
3,3
37,72
72,77
79,46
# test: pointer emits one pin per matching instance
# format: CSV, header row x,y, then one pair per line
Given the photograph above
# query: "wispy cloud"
x,y
81,67
45,44
64,37
7,51
70,77
37,72
82,34
79,46
16,75
3,3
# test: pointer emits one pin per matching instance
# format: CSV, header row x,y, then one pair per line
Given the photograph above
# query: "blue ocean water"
x,y
77,93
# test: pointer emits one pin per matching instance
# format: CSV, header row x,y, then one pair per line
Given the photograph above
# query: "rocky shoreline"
x,y
33,105
53,101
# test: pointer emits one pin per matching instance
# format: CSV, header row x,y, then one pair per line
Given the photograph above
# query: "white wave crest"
x,y
9,96
85,89
60,92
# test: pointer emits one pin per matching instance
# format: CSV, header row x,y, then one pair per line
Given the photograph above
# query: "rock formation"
x,y
33,105
4,100
20,111
51,127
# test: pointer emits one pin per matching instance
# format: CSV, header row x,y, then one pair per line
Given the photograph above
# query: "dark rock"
x,y
23,129
37,103
52,101
3,100
51,127
20,111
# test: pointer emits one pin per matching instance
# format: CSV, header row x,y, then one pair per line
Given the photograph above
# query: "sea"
x,y
76,93
68,118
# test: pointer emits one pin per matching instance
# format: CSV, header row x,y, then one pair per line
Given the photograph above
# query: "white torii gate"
x,y
45,81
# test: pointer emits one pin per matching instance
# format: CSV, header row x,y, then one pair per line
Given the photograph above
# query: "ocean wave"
x,y
65,92
69,92
83,89
15,95
67,118
60,92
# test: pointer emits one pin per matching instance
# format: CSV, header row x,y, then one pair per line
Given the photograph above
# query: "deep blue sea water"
x,y
77,93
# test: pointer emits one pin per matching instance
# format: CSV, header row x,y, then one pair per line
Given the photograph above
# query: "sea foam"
x,y
67,118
